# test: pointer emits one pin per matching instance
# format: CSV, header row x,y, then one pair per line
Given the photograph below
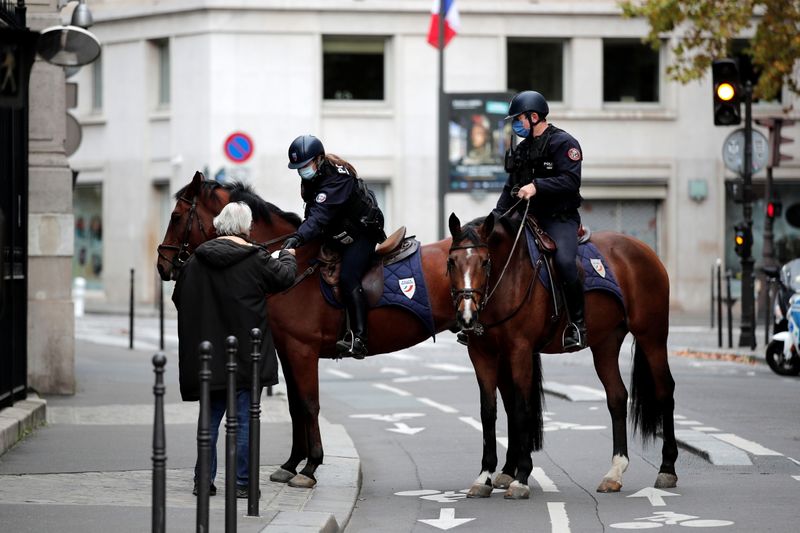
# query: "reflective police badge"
x,y
597,264
574,154
294,157
321,197
408,287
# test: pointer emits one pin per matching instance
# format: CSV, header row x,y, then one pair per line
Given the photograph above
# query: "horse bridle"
x,y
458,295
179,259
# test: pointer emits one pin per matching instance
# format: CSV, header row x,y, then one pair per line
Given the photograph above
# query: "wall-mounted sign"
x,y
478,137
238,147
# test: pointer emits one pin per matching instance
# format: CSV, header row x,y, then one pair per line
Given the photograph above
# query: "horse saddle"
x,y
545,242
393,249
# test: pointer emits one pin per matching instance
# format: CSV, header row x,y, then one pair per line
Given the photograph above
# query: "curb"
x,y
21,419
333,499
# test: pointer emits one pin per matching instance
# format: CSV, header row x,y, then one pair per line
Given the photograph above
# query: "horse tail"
x,y
537,402
646,414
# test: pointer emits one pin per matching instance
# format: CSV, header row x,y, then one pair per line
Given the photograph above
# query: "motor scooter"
x,y
783,351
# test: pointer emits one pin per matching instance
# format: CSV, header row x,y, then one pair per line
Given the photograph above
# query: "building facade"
x,y
178,77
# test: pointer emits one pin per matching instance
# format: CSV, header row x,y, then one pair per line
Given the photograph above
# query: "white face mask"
x,y
307,172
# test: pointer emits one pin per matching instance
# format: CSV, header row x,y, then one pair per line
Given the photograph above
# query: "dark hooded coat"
x,y
220,292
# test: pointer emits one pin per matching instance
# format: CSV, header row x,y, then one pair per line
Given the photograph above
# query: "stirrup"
x,y
580,334
462,338
347,348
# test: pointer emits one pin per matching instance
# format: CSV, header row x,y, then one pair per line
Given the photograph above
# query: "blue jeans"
x,y
218,405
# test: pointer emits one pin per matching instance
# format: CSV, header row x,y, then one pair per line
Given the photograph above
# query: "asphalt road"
x,y
414,417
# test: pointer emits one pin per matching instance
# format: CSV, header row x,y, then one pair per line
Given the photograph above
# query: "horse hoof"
x,y
301,481
479,490
502,481
517,491
281,475
609,485
666,481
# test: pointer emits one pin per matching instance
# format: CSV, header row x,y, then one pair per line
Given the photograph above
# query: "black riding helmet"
x,y
303,150
528,102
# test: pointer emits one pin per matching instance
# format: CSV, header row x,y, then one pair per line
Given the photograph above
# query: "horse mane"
x,y
262,210
470,230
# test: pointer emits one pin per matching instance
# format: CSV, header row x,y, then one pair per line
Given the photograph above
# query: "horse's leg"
x,y
651,351
308,398
485,365
522,380
606,364
299,442
509,470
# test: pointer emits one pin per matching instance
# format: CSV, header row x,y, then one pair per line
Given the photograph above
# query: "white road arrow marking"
x,y
447,519
448,367
656,496
396,417
391,370
404,429
449,496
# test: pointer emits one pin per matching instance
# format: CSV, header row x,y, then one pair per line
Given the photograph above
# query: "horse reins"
x,y
469,293
183,250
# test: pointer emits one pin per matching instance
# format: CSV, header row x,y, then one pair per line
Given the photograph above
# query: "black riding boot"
x,y
575,332
355,343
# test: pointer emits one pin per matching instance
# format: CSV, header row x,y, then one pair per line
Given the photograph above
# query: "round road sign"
x,y
238,147
733,151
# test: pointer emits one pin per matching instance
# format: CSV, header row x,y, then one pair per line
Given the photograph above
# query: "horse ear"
x,y
455,226
488,224
198,177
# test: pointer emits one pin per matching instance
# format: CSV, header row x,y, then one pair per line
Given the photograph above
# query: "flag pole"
x,y
442,153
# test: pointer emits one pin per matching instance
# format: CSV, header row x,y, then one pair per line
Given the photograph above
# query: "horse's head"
x,y
190,224
469,267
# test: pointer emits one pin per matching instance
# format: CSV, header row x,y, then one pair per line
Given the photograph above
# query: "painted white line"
x,y
447,519
400,427
402,356
559,521
448,367
795,461
414,379
744,444
679,417
389,388
443,408
573,393
707,429
543,480
688,423
590,390
390,370
797,478
339,373
468,420
656,496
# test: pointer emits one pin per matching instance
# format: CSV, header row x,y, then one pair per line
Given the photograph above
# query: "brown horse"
x,y
517,325
303,324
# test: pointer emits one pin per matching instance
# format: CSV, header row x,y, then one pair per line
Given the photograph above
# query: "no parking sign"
x,y
238,147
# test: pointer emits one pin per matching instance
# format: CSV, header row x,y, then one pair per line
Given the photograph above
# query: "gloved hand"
x,y
292,242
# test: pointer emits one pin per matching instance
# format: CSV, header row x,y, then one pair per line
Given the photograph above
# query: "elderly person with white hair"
x,y
220,292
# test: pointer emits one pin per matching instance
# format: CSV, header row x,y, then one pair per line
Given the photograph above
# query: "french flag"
x,y
451,22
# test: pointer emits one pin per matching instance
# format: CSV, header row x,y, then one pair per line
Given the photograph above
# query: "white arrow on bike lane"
x,y
656,496
404,429
447,519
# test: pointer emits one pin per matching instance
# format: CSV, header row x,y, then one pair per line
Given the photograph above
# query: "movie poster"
x,y
478,139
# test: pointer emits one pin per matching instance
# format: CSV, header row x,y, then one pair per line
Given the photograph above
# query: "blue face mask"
x,y
519,129
307,172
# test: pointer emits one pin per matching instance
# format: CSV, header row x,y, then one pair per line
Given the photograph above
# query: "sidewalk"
x,y
90,467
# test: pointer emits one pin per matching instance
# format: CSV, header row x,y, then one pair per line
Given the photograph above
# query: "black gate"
x,y
16,56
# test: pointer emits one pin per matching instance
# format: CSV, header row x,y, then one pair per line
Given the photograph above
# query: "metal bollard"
x,y
204,438
255,424
130,326
719,303
729,302
159,449
160,313
231,428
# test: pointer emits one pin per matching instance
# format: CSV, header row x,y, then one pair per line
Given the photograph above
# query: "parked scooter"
x,y
783,351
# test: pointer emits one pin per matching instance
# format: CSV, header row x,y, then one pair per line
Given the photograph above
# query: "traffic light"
x,y
742,240
727,92
774,209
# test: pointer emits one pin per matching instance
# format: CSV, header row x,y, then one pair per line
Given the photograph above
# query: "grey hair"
x,y
234,219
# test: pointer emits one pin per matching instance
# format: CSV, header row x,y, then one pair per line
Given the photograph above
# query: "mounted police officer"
x,y
545,168
340,208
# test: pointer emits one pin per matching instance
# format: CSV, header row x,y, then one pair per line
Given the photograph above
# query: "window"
x,y
87,262
630,71
97,84
748,71
637,218
162,73
536,65
353,69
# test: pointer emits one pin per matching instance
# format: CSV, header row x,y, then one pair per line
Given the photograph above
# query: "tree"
x,y
704,30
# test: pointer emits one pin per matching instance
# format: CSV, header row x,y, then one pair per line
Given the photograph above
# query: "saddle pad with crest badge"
x,y
597,273
403,286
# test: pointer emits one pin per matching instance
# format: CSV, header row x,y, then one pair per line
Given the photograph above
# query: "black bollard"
x,y
159,449
231,427
719,304
130,316
729,302
255,424
204,438
160,314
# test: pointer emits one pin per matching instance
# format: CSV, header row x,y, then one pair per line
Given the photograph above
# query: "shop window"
x,y
87,261
637,218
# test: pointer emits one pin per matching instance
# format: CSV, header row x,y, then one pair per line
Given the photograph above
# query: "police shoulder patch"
x,y
321,197
574,154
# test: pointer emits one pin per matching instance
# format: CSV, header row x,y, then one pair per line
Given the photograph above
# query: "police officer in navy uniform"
x,y
545,168
341,209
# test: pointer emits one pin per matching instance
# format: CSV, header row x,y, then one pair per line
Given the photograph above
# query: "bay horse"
x,y
303,325
516,325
